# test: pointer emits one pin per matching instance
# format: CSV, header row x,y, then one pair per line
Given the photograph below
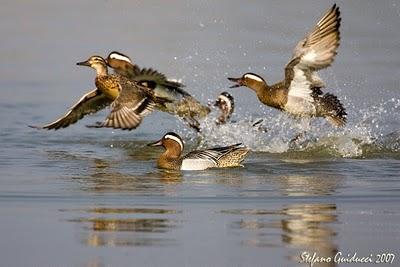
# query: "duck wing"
x,y
156,76
90,103
133,103
151,78
318,50
212,154
315,52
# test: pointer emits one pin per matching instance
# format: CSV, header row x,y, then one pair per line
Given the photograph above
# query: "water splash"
x,y
370,132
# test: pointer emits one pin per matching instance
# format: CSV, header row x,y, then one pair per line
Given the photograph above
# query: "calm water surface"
x,y
86,197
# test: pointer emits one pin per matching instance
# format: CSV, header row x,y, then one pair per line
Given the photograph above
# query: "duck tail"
x,y
234,157
333,110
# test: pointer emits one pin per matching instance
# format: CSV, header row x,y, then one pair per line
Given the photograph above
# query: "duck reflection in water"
x,y
107,226
102,177
299,227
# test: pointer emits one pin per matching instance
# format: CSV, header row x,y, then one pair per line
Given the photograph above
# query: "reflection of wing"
x,y
129,108
89,103
315,52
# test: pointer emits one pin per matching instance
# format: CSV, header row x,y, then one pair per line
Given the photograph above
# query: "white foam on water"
x,y
366,130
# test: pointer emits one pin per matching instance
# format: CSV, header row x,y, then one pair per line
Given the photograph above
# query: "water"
x,y
86,197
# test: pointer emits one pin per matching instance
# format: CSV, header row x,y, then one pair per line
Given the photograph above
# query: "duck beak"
x,y
238,81
157,143
83,63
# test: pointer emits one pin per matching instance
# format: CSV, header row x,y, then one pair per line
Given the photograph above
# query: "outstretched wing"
x,y
315,52
318,49
132,104
89,103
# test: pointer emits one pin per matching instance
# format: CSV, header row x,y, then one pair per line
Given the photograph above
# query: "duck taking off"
x,y
180,103
130,101
300,92
219,157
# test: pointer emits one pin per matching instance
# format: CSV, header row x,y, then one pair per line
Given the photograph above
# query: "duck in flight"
x,y
180,102
300,93
129,100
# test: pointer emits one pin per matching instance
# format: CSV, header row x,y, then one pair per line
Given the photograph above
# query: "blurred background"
x,y
87,197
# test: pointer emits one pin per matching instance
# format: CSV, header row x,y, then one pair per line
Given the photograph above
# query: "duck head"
x,y
96,62
251,80
117,60
172,143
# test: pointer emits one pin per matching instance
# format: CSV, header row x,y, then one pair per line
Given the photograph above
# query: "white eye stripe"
x,y
120,57
176,139
254,77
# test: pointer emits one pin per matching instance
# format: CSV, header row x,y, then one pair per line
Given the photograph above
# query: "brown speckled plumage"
x,y
129,100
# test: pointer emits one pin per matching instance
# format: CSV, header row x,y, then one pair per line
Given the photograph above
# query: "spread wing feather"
x,y
315,52
132,104
90,103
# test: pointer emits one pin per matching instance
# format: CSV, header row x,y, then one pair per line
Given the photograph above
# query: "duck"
x,y
129,100
218,157
226,104
300,92
181,103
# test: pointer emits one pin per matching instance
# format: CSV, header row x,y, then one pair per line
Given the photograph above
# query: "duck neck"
x,y
274,96
101,70
170,159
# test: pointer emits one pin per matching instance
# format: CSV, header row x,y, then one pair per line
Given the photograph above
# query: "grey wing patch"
x,y
128,109
88,104
212,154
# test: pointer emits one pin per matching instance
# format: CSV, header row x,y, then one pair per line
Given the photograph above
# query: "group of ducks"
x,y
134,92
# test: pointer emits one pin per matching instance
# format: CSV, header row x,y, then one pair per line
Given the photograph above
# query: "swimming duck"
x,y
220,157
181,103
130,101
300,92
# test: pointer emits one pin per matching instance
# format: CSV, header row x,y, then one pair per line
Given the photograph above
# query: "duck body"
x,y
108,85
219,157
180,103
300,93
